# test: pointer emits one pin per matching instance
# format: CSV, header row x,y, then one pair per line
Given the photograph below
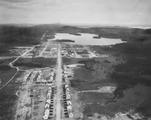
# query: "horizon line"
x,y
82,25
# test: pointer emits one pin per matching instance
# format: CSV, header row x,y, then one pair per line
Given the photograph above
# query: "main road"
x,y
59,84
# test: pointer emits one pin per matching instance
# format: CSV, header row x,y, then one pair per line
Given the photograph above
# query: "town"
x,y
39,92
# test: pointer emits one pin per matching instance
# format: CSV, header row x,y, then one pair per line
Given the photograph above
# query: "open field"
x,y
29,63
6,72
8,99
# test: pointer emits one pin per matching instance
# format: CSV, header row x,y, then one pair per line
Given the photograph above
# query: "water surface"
x,y
87,39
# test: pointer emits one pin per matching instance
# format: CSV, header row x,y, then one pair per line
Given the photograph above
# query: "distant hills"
x,y
21,34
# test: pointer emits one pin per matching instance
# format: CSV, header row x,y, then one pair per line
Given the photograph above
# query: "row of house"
x,y
49,104
67,75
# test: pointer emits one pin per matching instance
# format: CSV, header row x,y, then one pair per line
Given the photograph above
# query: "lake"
x,y
87,39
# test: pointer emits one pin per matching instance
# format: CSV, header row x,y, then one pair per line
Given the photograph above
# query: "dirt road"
x,y
40,55
12,66
59,84
11,63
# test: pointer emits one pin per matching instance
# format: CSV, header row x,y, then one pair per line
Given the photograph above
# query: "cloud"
x,y
12,4
16,0
76,11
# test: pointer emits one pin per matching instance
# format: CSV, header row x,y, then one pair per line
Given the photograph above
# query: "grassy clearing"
x,y
6,72
8,99
28,63
95,73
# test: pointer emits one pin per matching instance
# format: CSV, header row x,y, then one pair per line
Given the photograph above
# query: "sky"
x,y
80,12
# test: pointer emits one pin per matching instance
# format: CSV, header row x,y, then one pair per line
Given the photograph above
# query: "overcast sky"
x,y
103,12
